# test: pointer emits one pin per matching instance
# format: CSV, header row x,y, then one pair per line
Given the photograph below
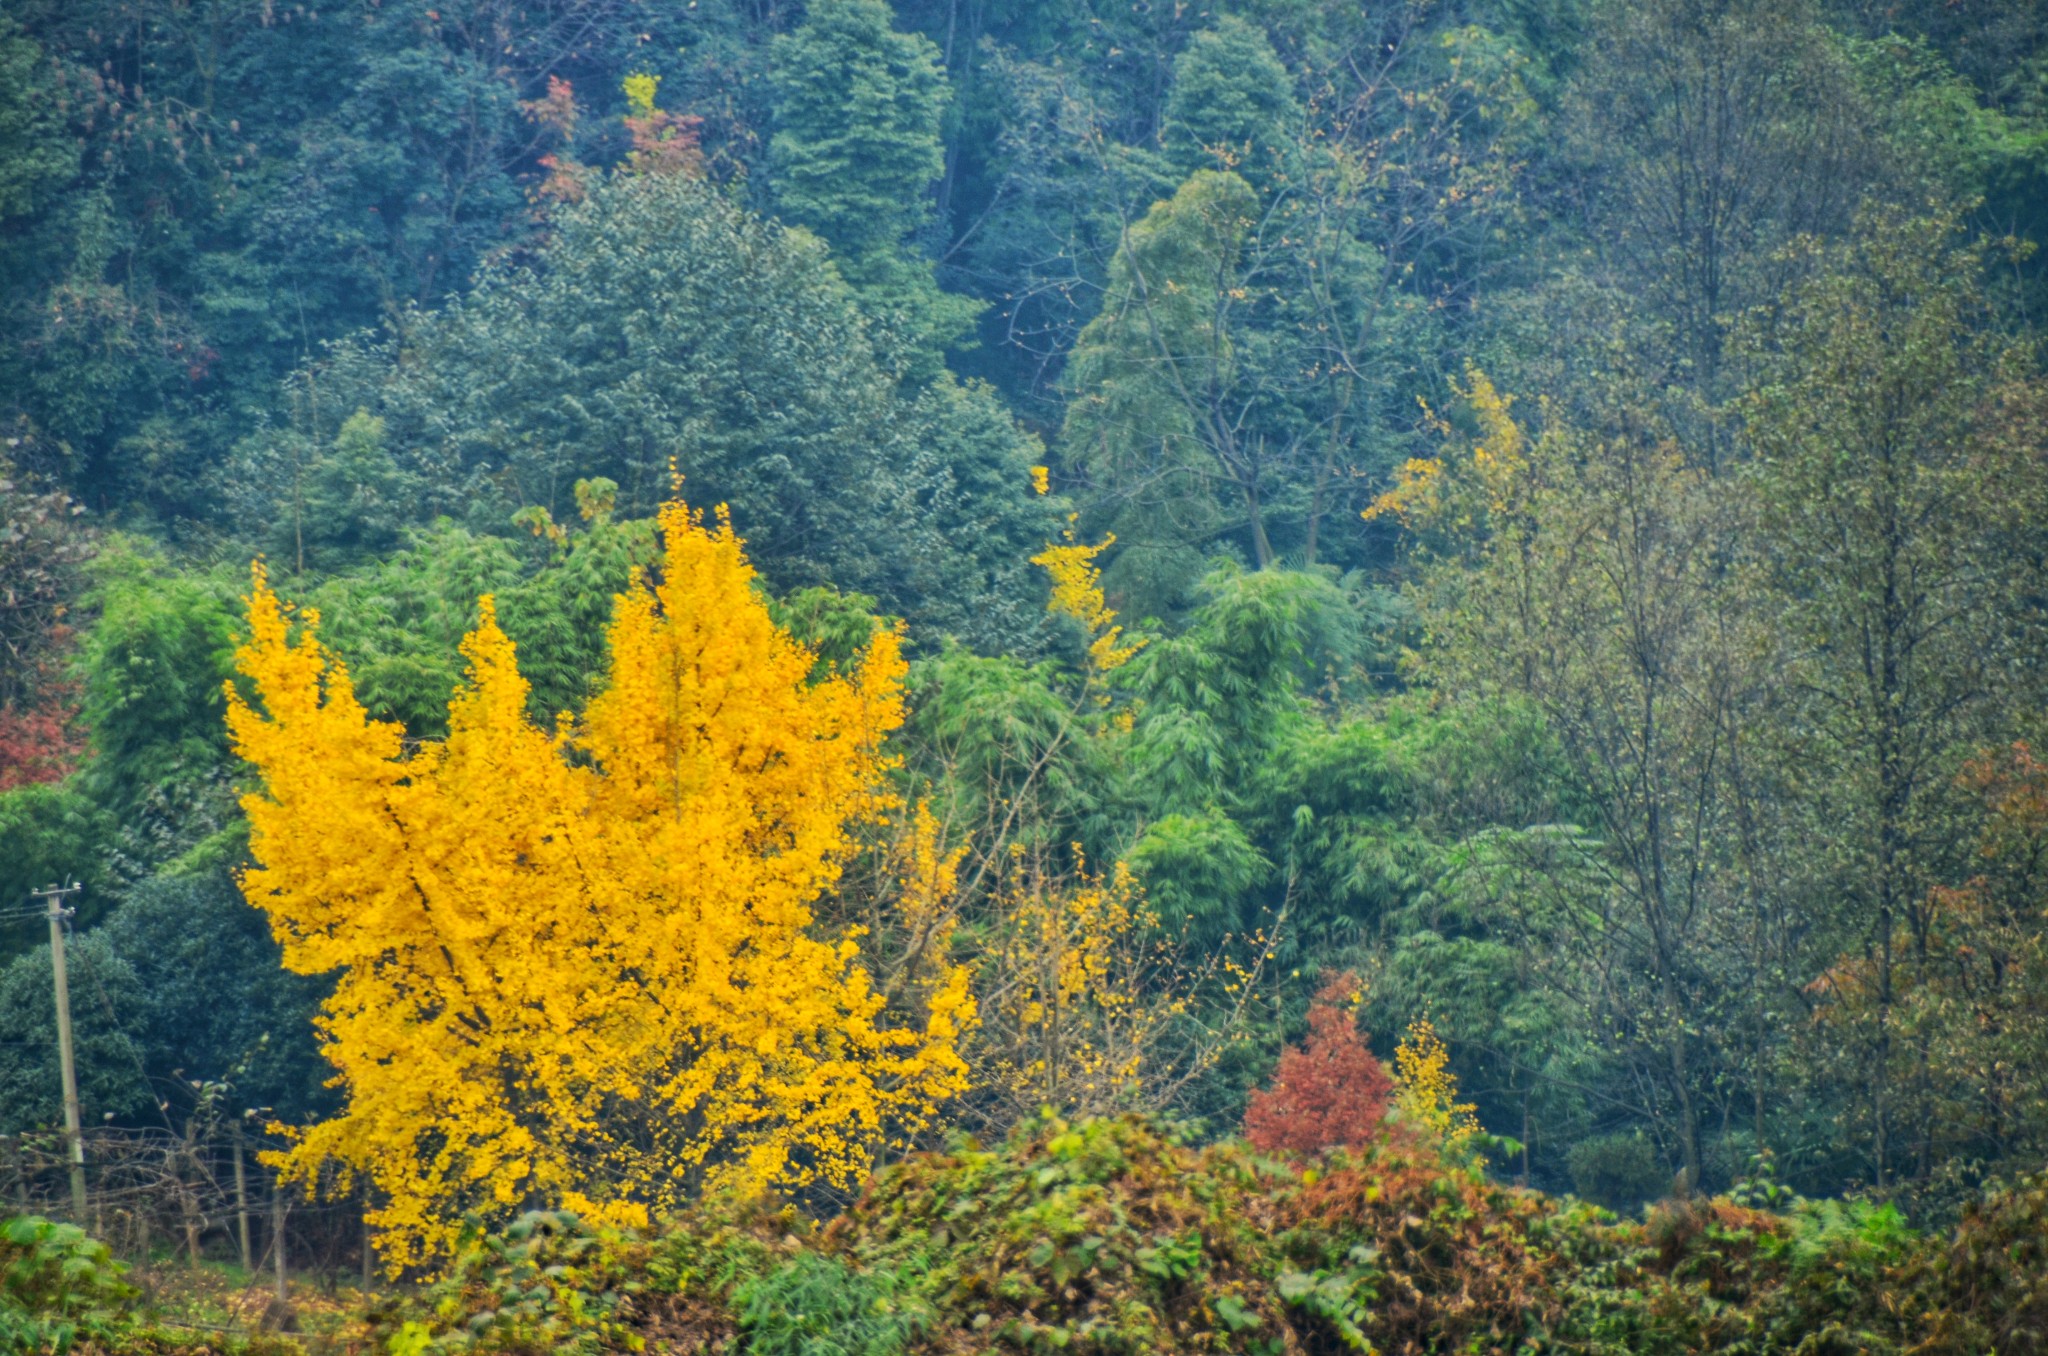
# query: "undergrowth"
x,y
1114,1237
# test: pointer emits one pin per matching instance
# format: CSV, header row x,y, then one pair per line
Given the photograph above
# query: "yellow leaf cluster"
x,y
1077,593
1414,497
1077,1012
640,91
1427,490
929,883
1428,1090
578,965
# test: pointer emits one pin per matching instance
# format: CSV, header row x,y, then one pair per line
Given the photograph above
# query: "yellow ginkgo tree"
x,y
580,965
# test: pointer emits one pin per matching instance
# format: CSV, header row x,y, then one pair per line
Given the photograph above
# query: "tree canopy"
x,y
1532,507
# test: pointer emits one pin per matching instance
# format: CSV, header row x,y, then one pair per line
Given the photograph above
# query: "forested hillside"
x,y
833,576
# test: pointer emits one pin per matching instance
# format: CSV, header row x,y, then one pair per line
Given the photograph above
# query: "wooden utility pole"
x,y
242,1206
54,896
278,1210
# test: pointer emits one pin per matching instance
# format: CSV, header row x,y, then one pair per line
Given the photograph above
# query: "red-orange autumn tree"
x,y
37,744
580,965
1328,1092
43,551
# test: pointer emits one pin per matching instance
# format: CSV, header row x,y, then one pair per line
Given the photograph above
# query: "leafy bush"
x,y
1715,1275
57,1287
1101,1237
1114,1237
549,1283
1619,1172
817,1305
1399,1250
553,1282
1985,1287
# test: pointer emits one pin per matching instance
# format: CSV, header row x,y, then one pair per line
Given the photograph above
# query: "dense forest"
x,y
840,581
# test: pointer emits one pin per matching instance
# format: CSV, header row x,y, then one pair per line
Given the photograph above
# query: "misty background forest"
x,y
1510,533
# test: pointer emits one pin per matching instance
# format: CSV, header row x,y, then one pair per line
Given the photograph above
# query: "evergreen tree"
x,y
855,157
1233,106
663,325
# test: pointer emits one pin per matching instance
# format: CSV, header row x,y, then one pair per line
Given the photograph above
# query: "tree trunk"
x,y
1261,547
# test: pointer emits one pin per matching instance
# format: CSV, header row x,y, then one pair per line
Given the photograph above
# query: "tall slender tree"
x,y
1900,518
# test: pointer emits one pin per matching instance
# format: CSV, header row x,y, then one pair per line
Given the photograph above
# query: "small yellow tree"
x,y
1425,1089
579,965
1087,1006
1459,492
1075,1011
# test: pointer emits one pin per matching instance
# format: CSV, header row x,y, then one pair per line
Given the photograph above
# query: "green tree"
x,y
855,158
51,832
151,667
1587,577
1158,377
180,985
1902,518
1702,139
228,190
662,325
36,161
187,937
349,502
1262,330
107,1036
1232,105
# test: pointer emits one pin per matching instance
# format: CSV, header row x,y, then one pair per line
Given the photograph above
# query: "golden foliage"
x,y
1428,490
640,90
577,965
1417,483
1427,1090
930,880
1075,1007
1077,593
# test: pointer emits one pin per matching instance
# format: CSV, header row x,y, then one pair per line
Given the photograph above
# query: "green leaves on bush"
x,y
57,1287
818,1305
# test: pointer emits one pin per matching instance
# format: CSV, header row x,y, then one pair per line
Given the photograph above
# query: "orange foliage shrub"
x,y
1327,1093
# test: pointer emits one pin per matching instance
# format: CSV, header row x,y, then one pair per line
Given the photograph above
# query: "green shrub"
x,y
1984,1288
549,1283
816,1305
1102,1237
1717,1276
553,1283
1115,1237
1394,1249
57,1287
